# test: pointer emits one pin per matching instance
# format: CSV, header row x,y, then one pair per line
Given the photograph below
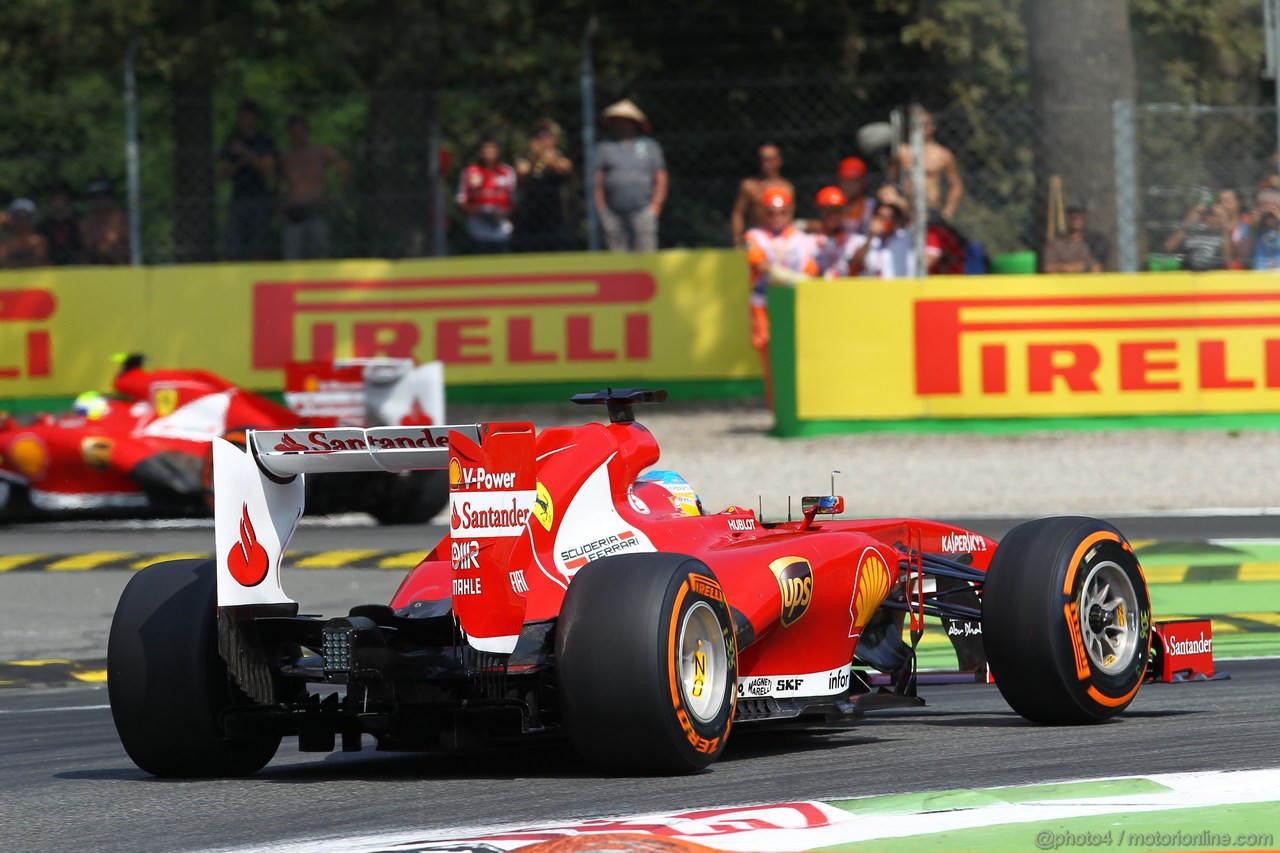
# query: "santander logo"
x,y
289,444
248,561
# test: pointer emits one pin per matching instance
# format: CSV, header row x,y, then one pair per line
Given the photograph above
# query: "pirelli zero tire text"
x,y
168,686
647,663
1066,620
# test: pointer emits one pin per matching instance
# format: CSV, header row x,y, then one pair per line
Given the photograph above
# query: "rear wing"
x,y
259,493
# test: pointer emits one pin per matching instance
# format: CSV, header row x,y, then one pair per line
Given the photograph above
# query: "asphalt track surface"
x,y
67,783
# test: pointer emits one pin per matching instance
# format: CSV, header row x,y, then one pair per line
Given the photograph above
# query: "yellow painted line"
x,y
1165,574
1260,572
91,676
1218,627
13,561
333,559
84,562
401,561
1267,618
1139,544
32,662
161,558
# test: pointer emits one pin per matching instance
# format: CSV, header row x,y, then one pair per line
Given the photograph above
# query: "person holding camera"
x,y
1204,238
1259,244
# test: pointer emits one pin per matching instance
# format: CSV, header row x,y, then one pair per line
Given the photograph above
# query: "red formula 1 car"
x,y
148,450
577,595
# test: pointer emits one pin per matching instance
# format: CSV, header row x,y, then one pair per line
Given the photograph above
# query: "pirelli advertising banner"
x,y
519,320
1044,346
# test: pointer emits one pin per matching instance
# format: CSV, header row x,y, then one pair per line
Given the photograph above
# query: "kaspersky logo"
x,y
1082,345
468,320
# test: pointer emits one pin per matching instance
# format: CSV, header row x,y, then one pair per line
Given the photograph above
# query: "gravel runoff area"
x,y
724,449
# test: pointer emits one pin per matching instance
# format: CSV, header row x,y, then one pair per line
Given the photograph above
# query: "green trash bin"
x,y
1014,263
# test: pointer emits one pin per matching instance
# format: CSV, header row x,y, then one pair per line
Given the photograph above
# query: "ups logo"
x,y
795,581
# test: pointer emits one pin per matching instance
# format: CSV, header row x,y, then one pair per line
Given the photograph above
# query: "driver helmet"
x,y
683,497
91,405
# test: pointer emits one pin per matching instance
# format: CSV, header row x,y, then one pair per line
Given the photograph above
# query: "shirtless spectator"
x,y
939,164
1071,252
305,167
104,229
747,212
23,247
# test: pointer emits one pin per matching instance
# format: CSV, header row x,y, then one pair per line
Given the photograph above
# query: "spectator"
x,y
1204,239
104,229
860,206
24,247
747,212
248,159
888,251
542,174
1260,241
1072,252
939,164
775,251
305,167
834,245
486,193
943,248
630,181
60,227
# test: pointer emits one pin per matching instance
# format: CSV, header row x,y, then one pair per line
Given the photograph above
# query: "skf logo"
x,y
870,587
35,353
1083,345
481,319
795,582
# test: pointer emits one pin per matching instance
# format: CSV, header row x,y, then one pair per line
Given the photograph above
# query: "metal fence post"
x,y
439,245
1126,185
588,83
133,170
919,202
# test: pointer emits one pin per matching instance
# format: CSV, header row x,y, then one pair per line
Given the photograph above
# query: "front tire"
x,y
1066,620
647,663
167,685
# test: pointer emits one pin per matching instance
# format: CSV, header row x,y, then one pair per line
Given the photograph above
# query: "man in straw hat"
x,y
630,181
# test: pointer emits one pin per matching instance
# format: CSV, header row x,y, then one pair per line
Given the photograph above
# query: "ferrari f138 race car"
x,y
576,594
148,450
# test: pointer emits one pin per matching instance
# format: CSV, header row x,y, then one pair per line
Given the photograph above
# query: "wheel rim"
x,y
703,663
1109,618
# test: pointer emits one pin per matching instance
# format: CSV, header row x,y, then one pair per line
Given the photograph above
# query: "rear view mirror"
x,y
822,505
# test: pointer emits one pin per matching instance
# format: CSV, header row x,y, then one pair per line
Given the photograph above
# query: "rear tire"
x,y
167,685
1066,620
647,663
411,497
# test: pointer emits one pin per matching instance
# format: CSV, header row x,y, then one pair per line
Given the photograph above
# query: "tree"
x,y
1081,62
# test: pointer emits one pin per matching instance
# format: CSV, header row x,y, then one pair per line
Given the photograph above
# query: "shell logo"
x,y
872,585
28,455
455,472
